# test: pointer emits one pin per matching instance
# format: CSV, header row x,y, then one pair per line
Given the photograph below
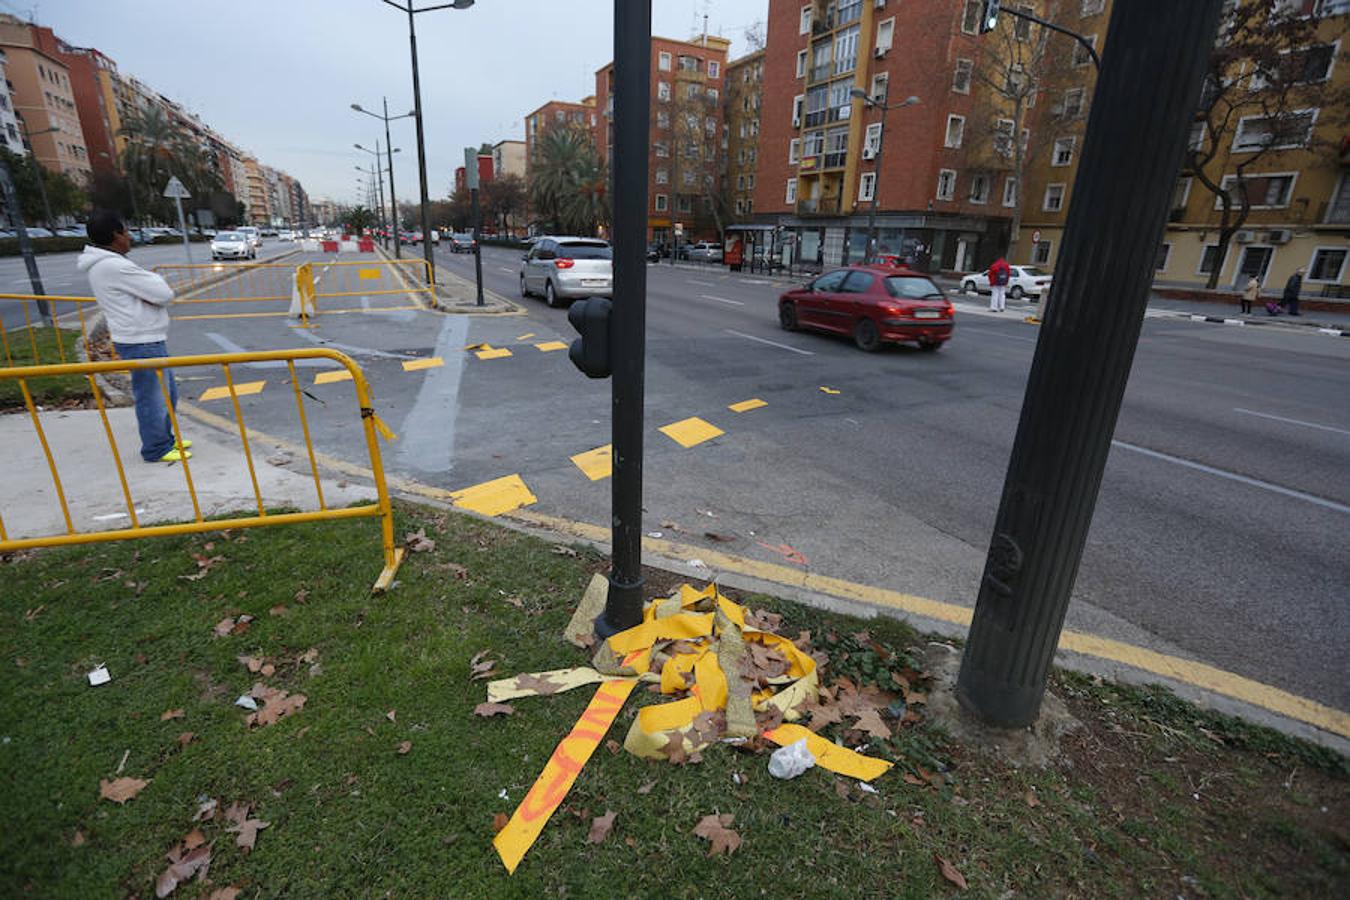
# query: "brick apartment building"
x,y
553,114
44,98
745,84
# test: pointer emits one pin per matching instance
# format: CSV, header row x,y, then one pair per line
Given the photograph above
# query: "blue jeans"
x,y
152,417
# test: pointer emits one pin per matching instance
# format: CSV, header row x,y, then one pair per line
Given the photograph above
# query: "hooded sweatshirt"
x,y
134,300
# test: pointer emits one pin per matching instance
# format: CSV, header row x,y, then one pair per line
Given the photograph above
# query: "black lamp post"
x,y
872,103
386,119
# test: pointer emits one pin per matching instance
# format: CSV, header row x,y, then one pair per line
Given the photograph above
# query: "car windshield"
x,y
585,251
464,237
1034,272
227,236
911,288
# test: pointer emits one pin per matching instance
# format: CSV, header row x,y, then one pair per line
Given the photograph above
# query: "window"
x,y
1063,154
872,140
1327,264
794,151
801,63
881,84
814,144
714,69
713,94
805,21
797,102
885,34
1080,55
1160,260
846,50
710,126
1054,198
1040,253
867,185
1022,27
1010,191
979,189
849,11
662,149
691,91
836,148
740,207
956,128
1181,193
1073,103
690,64
684,203
961,76
663,176
662,203
663,90
1003,130
662,119
970,17
749,181
1338,209
1092,7
790,196
1292,129
740,182
946,186
1196,141
1209,260
820,60
663,61
1263,191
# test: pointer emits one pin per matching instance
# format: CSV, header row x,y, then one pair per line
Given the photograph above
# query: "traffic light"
x,y
590,352
988,16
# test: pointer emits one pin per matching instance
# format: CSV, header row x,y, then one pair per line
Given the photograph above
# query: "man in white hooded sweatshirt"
x,y
135,303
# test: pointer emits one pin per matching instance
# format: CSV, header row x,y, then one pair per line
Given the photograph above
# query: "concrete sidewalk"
x,y
93,492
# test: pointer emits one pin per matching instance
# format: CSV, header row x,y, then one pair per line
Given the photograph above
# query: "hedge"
x,y
10,246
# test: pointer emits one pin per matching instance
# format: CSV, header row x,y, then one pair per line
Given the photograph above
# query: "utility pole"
x,y
25,245
390,150
471,179
873,103
1145,98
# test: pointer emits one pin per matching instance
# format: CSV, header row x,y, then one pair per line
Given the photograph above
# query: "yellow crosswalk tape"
x,y
691,431
241,389
431,362
747,405
549,346
330,377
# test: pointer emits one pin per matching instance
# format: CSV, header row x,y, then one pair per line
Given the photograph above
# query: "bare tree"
x,y
689,124
1266,87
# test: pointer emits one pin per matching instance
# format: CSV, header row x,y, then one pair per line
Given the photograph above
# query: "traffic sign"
x,y
175,188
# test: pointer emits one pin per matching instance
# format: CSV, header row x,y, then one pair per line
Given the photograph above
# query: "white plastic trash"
x,y
247,702
791,760
99,676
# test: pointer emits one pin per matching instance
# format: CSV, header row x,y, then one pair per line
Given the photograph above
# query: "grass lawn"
x,y
1153,797
45,391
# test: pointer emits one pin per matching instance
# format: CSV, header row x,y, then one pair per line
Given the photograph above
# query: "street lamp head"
x,y
860,94
357,107
358,147
463,4
911,101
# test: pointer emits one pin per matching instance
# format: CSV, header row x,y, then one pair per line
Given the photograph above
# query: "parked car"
x,y
462,242
232,245
873,304
656,251
36,232
285,235
706,251
254,236
1026,281
565,268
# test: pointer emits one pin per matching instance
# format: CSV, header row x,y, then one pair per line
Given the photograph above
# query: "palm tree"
x,y
153,144
568,184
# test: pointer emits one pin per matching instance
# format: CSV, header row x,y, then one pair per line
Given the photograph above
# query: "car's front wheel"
x,y
866,336
968,287
550,295
787,316
524,291
1016,292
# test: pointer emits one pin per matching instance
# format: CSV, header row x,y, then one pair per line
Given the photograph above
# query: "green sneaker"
x,y
176,455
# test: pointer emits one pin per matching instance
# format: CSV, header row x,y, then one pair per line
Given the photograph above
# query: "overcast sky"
x,y
278,78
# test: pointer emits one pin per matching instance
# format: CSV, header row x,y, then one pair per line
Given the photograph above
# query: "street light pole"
x,y
42,182
872,103
389,147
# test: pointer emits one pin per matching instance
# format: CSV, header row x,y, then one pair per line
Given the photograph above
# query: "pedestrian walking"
x,y
1000,273
1291,289
1250,295
135,303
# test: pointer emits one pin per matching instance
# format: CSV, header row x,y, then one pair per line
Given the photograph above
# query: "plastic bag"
x,y
791,760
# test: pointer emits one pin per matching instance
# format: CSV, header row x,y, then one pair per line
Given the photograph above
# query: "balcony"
x,y
818,206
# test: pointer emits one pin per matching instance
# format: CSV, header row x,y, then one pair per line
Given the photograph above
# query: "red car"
x,y
874,304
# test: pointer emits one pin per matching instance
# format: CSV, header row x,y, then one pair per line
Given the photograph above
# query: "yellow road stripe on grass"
x,y
431,362
330,377
242,389
691,431
747,405
596,464
548,346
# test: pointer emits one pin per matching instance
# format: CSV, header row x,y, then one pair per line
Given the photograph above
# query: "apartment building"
x,y
44,101
744,88
553,114
258,200
508,158
90,76
10,138
686,159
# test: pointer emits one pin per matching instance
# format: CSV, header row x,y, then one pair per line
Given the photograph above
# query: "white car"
x,y
565,268
285,235
254,236
1026,281
706,251
232,245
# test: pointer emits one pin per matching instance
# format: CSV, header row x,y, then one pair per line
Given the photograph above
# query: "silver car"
x,y
232,245
566,268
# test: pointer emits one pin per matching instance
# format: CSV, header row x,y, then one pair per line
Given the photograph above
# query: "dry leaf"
x,y
181,869
715,829
418,542
237,812
309,656
392,715
205,812
480,667
224,626
647,788
185,738
278,610
170,714
121,790
225,893
277,705
302,595
499,821
78,839
248,832
870,721
630,842
493,709
841,787
601,826
543,686
914,780
194,839
268,670
404,748
613,746
1032,800
252,663
564,551
949,872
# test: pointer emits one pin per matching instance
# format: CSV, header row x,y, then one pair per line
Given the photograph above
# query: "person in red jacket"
x,y
1000,273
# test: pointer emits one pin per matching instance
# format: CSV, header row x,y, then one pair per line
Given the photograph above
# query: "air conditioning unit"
x,y
880,52
1279,235
796,122
869,153
1057,109
1244,237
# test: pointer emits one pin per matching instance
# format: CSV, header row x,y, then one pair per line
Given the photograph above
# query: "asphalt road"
x,y
1219,534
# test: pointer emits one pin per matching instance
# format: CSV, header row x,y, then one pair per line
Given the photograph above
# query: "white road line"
x,y
1253,482
704,283
721,299
753,281
751,337
1252,412
506,270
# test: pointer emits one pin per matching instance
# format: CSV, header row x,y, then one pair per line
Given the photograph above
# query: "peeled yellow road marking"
x,y
493,353
492,498
1200,675
747,405
551,345
242,389
368,274
330,377
828,390
525,337
431,362
691,431
1032,320
596,464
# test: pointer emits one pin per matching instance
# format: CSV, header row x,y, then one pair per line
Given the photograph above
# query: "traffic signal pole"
x,y
1142,109
628,326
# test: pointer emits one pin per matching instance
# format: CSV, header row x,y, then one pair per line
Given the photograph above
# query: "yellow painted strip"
x,y
553,783
549,346
242,389
525,337
330,377
828,390
1186,671
368,274
747,405
492,498
595,464
493,353
415,365
690,432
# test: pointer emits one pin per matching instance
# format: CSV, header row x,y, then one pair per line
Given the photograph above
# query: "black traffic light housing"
x,y
988,16
590,352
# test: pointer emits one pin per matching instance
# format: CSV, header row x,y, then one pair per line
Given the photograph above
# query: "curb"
x,y
115,395
471,308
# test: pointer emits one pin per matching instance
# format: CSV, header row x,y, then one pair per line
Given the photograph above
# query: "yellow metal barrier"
x,y
250,282
382,508
27,344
